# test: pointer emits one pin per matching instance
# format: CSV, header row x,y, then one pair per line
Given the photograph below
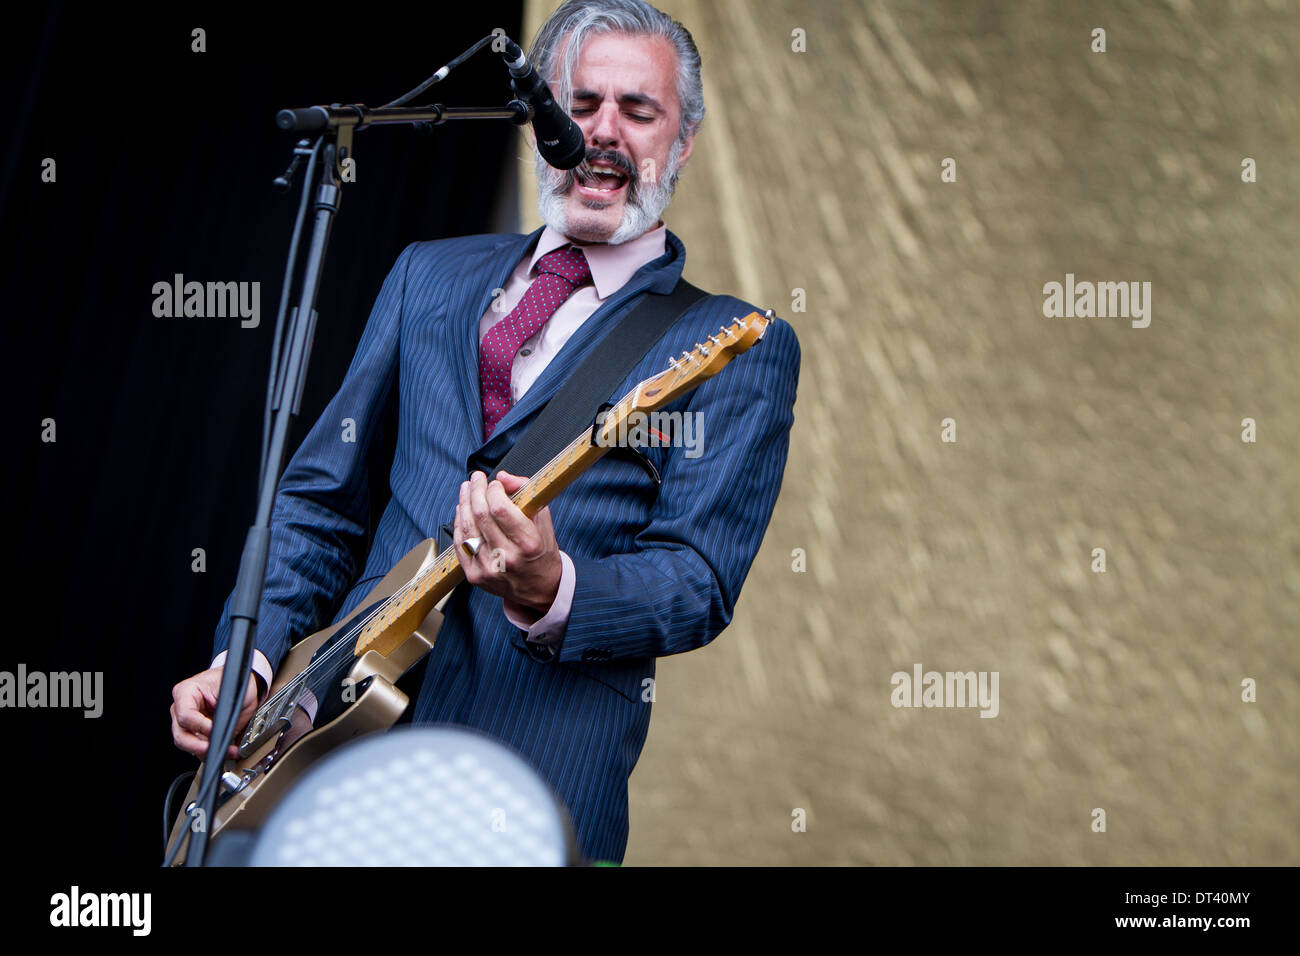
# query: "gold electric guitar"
x,y
395,626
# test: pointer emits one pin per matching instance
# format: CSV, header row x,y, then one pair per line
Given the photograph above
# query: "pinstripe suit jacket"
x,y
658,570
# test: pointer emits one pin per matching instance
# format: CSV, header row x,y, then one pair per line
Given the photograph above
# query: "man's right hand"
x,y
193,702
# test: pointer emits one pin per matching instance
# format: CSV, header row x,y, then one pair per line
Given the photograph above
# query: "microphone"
x,y
559,139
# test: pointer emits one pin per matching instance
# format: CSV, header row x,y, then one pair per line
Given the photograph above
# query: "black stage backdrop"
x,y
164,159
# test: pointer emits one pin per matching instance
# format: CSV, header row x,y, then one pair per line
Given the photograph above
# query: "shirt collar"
x,y
611,266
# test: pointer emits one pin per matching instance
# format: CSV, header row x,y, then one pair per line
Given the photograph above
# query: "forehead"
x,y
614,64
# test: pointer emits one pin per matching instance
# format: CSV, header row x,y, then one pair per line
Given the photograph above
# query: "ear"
x,y
687,145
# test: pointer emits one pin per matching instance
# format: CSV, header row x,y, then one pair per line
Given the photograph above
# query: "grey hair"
x,y
578,19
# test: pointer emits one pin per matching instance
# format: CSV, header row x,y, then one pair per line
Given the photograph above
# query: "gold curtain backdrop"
x,y
1120,692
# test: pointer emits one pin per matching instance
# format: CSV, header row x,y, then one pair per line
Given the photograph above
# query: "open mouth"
x,y
601,179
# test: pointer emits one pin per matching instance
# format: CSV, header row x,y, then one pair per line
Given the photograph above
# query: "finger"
x,y
198,746
252,693
544,527
184,740
193,720
457,532
514,524
511,483
191,691
186,708
465,515
194,723
484,519
458,536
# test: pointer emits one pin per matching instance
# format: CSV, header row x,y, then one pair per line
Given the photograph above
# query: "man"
x,y
550,646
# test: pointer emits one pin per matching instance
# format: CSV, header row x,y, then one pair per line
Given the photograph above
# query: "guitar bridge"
x,y
256,736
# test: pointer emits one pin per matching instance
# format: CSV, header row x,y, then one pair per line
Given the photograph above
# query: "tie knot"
x,y
567,263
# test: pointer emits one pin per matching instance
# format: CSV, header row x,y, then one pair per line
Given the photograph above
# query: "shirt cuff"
x,y
261,667
549,628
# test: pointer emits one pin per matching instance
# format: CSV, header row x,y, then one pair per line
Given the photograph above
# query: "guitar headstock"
x,y
689,369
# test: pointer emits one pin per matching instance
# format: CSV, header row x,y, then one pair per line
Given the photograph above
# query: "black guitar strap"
x,y
588,387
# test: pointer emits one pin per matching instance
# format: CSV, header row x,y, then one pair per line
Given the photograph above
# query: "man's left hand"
x,y
518,558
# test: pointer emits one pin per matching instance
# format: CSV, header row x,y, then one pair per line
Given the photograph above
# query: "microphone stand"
x,y
334,127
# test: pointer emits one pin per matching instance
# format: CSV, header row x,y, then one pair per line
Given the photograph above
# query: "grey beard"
x,y
643,209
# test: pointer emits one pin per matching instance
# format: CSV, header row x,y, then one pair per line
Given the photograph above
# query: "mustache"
x,y
607,157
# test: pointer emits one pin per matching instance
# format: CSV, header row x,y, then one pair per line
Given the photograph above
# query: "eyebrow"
x,y
624,99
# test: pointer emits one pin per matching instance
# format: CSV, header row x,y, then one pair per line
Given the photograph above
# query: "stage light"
x,y
418,796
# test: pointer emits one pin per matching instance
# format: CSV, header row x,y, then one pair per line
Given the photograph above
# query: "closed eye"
x,y
638,117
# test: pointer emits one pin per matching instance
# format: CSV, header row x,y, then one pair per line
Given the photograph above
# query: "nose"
x,y
603,131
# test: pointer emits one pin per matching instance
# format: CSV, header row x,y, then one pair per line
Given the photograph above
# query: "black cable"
x,y
273,382
441,74
167,816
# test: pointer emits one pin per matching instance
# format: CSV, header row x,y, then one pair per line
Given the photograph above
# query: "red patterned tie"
x,y
558,274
